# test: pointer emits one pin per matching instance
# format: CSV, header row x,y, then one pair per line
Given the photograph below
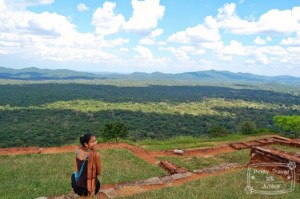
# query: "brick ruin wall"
x,y
268,155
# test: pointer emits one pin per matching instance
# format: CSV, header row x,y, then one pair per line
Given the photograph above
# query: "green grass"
x,y
31,176
223,186
182,142
121,165
185,142
286,148
242,157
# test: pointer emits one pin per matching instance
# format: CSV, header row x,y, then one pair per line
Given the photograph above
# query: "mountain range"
x,y
209,75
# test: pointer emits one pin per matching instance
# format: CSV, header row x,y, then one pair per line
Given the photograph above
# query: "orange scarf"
x,y
91,173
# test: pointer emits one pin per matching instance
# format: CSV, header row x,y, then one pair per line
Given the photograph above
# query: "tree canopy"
x,y
288,123
114,130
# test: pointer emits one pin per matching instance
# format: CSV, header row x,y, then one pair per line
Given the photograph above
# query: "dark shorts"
x,y
82,191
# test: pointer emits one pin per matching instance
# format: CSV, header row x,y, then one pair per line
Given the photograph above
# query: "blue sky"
x,y
171,36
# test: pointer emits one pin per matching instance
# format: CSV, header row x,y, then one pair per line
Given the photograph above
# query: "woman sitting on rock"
x,y
87,166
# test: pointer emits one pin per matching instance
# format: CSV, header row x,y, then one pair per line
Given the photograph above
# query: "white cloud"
x,y
228,20
147,41
196,35
156,33
144,52
82,7
146,14
235,48
105,20
2,5
259,41
123,49
207,36
184,53
29,23
179,54
204,35
279,22
50,36
267,54
291,41
150,39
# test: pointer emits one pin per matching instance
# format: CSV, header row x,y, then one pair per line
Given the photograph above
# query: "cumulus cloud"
x,y
259,41
235,48
196,35
105,20
146,14
50,36
150,39
184,53
272,23
82,7
25,22
292,41
278,22
144,52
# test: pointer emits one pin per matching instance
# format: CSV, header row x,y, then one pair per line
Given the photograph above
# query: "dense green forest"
x,y
54,113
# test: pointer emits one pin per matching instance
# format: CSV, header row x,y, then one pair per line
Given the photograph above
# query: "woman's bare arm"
x,y
75,163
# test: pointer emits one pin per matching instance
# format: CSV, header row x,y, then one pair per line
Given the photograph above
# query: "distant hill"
x,y
44,74
210,75
215,76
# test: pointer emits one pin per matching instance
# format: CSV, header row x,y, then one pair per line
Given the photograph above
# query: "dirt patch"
x,y
143,154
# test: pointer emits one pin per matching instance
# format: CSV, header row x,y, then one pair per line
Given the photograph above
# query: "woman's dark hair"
x,y
85,138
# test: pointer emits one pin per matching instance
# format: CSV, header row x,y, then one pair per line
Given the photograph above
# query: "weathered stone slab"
x,y
166,179
150,181
110,193
198,171
181,175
